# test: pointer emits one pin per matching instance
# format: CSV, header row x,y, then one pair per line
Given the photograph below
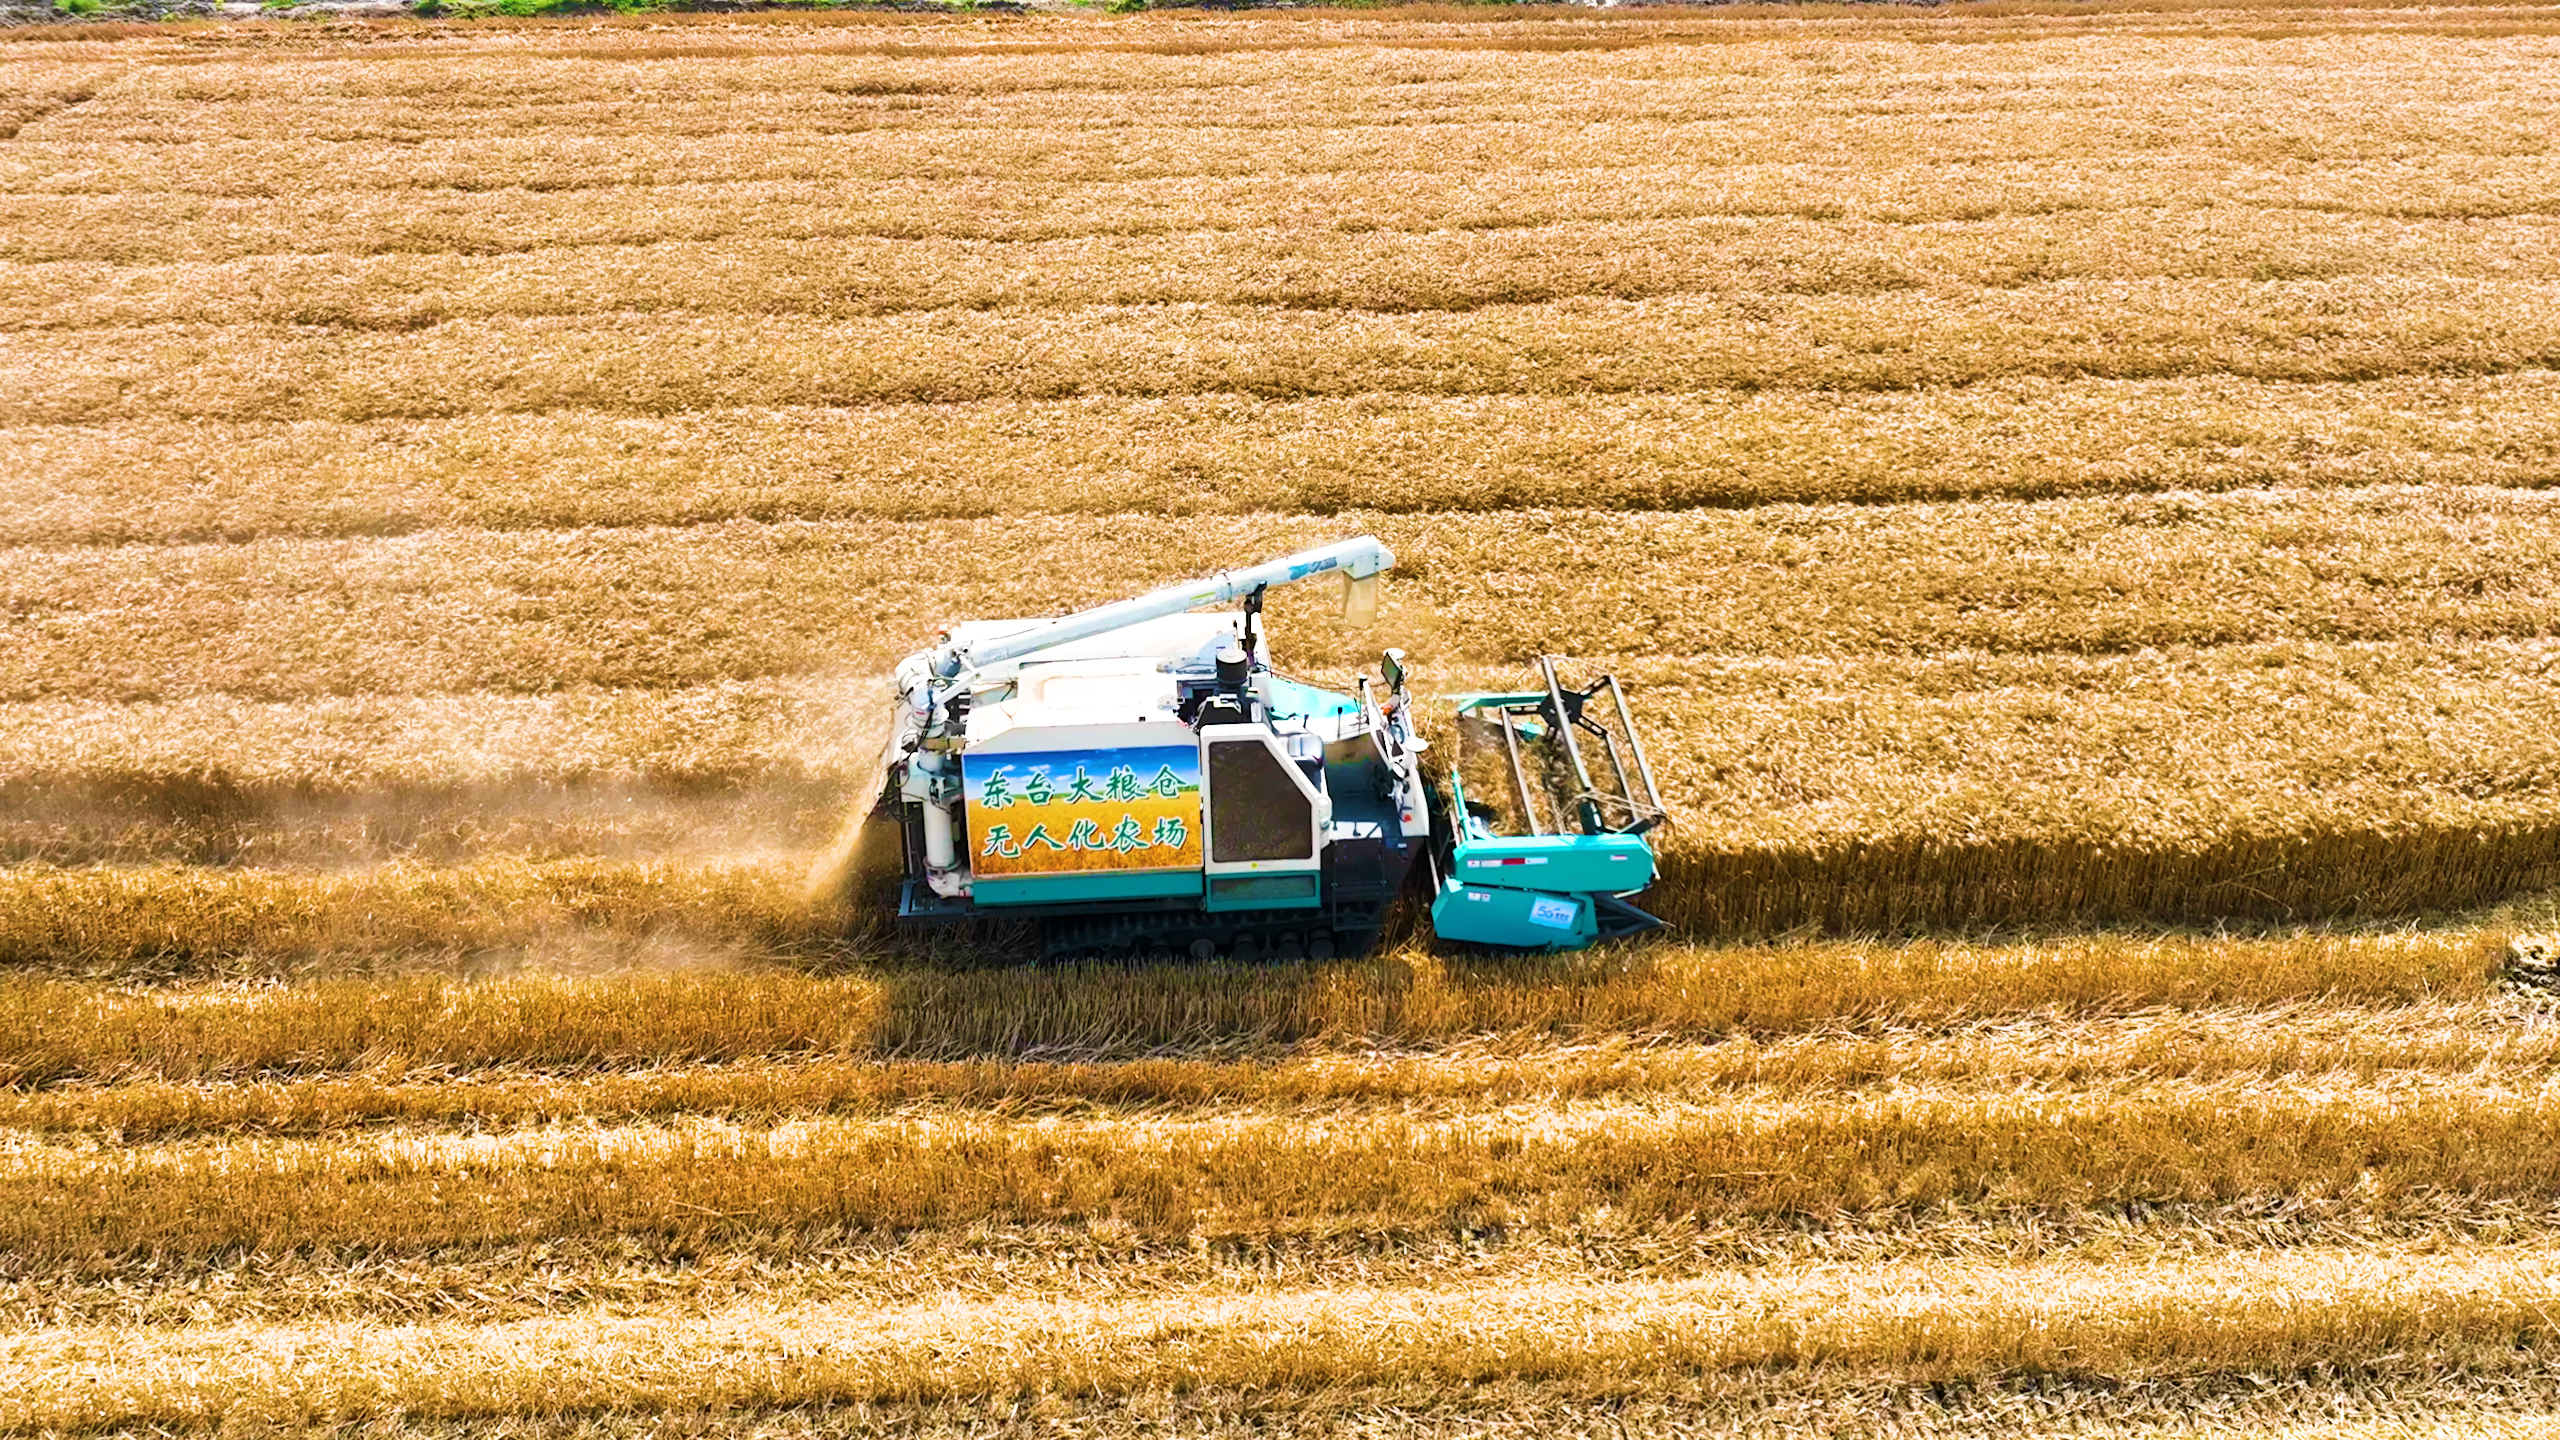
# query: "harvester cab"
x,y
1139,780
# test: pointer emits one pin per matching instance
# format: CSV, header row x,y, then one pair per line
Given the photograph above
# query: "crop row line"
x,y
2400,1151
297,619
1177,155
639,364
2499,21
21,251
2259,23
636,1072
493,230
172,481
1427,276
177,921
2479,1311
1215,124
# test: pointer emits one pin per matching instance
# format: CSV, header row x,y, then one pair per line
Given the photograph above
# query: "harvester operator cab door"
x,y
1266,822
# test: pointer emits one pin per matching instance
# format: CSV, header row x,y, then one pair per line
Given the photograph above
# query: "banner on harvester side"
x,y
1046,813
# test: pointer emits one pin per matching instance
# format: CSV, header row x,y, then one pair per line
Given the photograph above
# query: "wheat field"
x,y
2072,489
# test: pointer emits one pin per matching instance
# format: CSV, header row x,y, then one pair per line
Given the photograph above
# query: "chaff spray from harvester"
x,y
1140,780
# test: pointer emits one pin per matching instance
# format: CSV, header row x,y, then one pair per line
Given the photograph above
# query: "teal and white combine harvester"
x,y
1139,780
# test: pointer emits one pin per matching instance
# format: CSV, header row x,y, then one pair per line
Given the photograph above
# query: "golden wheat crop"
x,y
280,1080
1369,270
159,480
2387,1151
427,1024
2039,466
1951,1321
164,919
2279,330
538,610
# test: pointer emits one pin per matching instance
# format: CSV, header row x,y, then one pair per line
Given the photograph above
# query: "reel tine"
x,y
1570,709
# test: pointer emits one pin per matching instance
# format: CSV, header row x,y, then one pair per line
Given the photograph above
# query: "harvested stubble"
x,y
1510,142
1717,154
1728,172
690,773
420,1026
685,774
166,481
1265,84
798,1270
1150,139
2480,1311
1829,100
212,817
33,93
699,739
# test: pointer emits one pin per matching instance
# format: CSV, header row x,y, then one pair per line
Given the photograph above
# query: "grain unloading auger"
x,y
1139,780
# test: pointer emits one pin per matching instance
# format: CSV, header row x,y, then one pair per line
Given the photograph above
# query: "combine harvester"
x,y
1140,781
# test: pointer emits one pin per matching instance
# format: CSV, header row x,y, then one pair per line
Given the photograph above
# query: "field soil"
x,y
2073,493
